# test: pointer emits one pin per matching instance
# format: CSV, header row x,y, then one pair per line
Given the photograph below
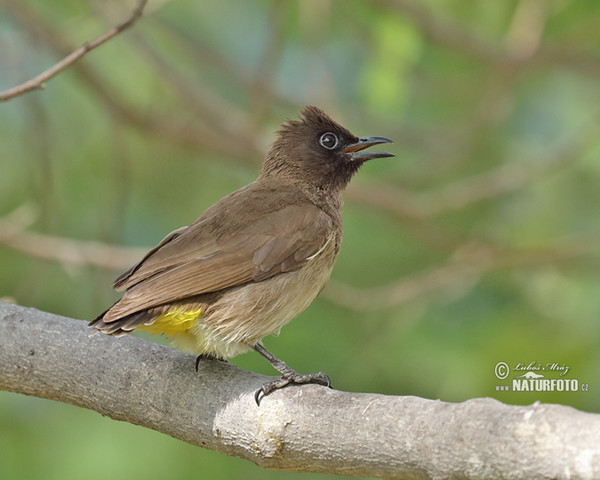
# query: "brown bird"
x,y
254,260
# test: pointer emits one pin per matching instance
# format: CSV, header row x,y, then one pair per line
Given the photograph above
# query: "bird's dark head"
x,y
318,151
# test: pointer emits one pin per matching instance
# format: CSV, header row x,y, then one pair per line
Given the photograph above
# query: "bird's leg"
x,y
287,375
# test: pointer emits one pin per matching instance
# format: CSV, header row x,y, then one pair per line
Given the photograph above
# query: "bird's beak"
x,y
356,153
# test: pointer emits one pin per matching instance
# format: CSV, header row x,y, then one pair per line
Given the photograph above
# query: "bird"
x,y
254,260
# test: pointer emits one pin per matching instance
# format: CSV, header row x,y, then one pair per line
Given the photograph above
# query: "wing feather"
x,y
212,255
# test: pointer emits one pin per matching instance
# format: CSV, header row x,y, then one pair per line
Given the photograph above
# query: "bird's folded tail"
x,y
122,326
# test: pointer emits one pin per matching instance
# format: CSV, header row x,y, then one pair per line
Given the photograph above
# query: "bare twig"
x,y
40,80
307,428
159,126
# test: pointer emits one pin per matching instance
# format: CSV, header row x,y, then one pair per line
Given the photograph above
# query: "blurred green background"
x,y
478,243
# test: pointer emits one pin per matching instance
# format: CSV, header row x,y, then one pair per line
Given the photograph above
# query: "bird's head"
x,y
318,151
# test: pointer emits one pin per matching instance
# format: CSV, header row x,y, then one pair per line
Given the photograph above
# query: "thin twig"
x,y
157,125
39,81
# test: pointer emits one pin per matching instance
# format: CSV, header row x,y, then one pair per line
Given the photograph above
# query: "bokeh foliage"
x,y
478,244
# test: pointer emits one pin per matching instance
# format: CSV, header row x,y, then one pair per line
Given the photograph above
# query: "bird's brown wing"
x,y
127,278
211,255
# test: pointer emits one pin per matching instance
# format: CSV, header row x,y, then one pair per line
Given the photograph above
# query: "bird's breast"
x,y
250,312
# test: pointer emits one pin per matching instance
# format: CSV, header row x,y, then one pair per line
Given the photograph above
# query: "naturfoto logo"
x,y
532,377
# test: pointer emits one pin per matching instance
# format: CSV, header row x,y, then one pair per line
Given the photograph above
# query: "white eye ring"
x,y
329,141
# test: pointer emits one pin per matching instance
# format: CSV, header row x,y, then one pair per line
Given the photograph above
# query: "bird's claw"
x,y
319,378
205,356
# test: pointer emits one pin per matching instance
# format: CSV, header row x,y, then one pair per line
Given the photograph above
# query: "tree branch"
x,y
40,80
308,428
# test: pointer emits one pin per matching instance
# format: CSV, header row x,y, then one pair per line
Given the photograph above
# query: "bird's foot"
x,y
291,377
206,356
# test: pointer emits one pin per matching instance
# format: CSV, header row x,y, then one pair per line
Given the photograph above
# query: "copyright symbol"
x,y
501,370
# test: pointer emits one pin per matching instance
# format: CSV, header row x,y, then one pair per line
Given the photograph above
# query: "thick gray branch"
x,y
308,428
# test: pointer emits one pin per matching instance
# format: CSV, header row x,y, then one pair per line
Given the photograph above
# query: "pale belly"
x,y
243,316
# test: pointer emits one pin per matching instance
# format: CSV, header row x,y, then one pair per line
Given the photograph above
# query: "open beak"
x,y
356,153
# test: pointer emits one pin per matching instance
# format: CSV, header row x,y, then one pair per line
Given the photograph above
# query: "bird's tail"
x,y
121,326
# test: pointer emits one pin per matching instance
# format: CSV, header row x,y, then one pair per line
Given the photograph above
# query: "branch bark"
x,y
40,80
308,428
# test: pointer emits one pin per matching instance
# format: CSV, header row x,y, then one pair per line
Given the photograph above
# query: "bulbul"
x,y
255,259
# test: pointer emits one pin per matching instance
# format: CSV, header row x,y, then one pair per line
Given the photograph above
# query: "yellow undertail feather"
x,y
176,321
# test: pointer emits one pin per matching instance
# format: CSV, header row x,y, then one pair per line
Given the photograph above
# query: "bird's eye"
x,y
328,141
